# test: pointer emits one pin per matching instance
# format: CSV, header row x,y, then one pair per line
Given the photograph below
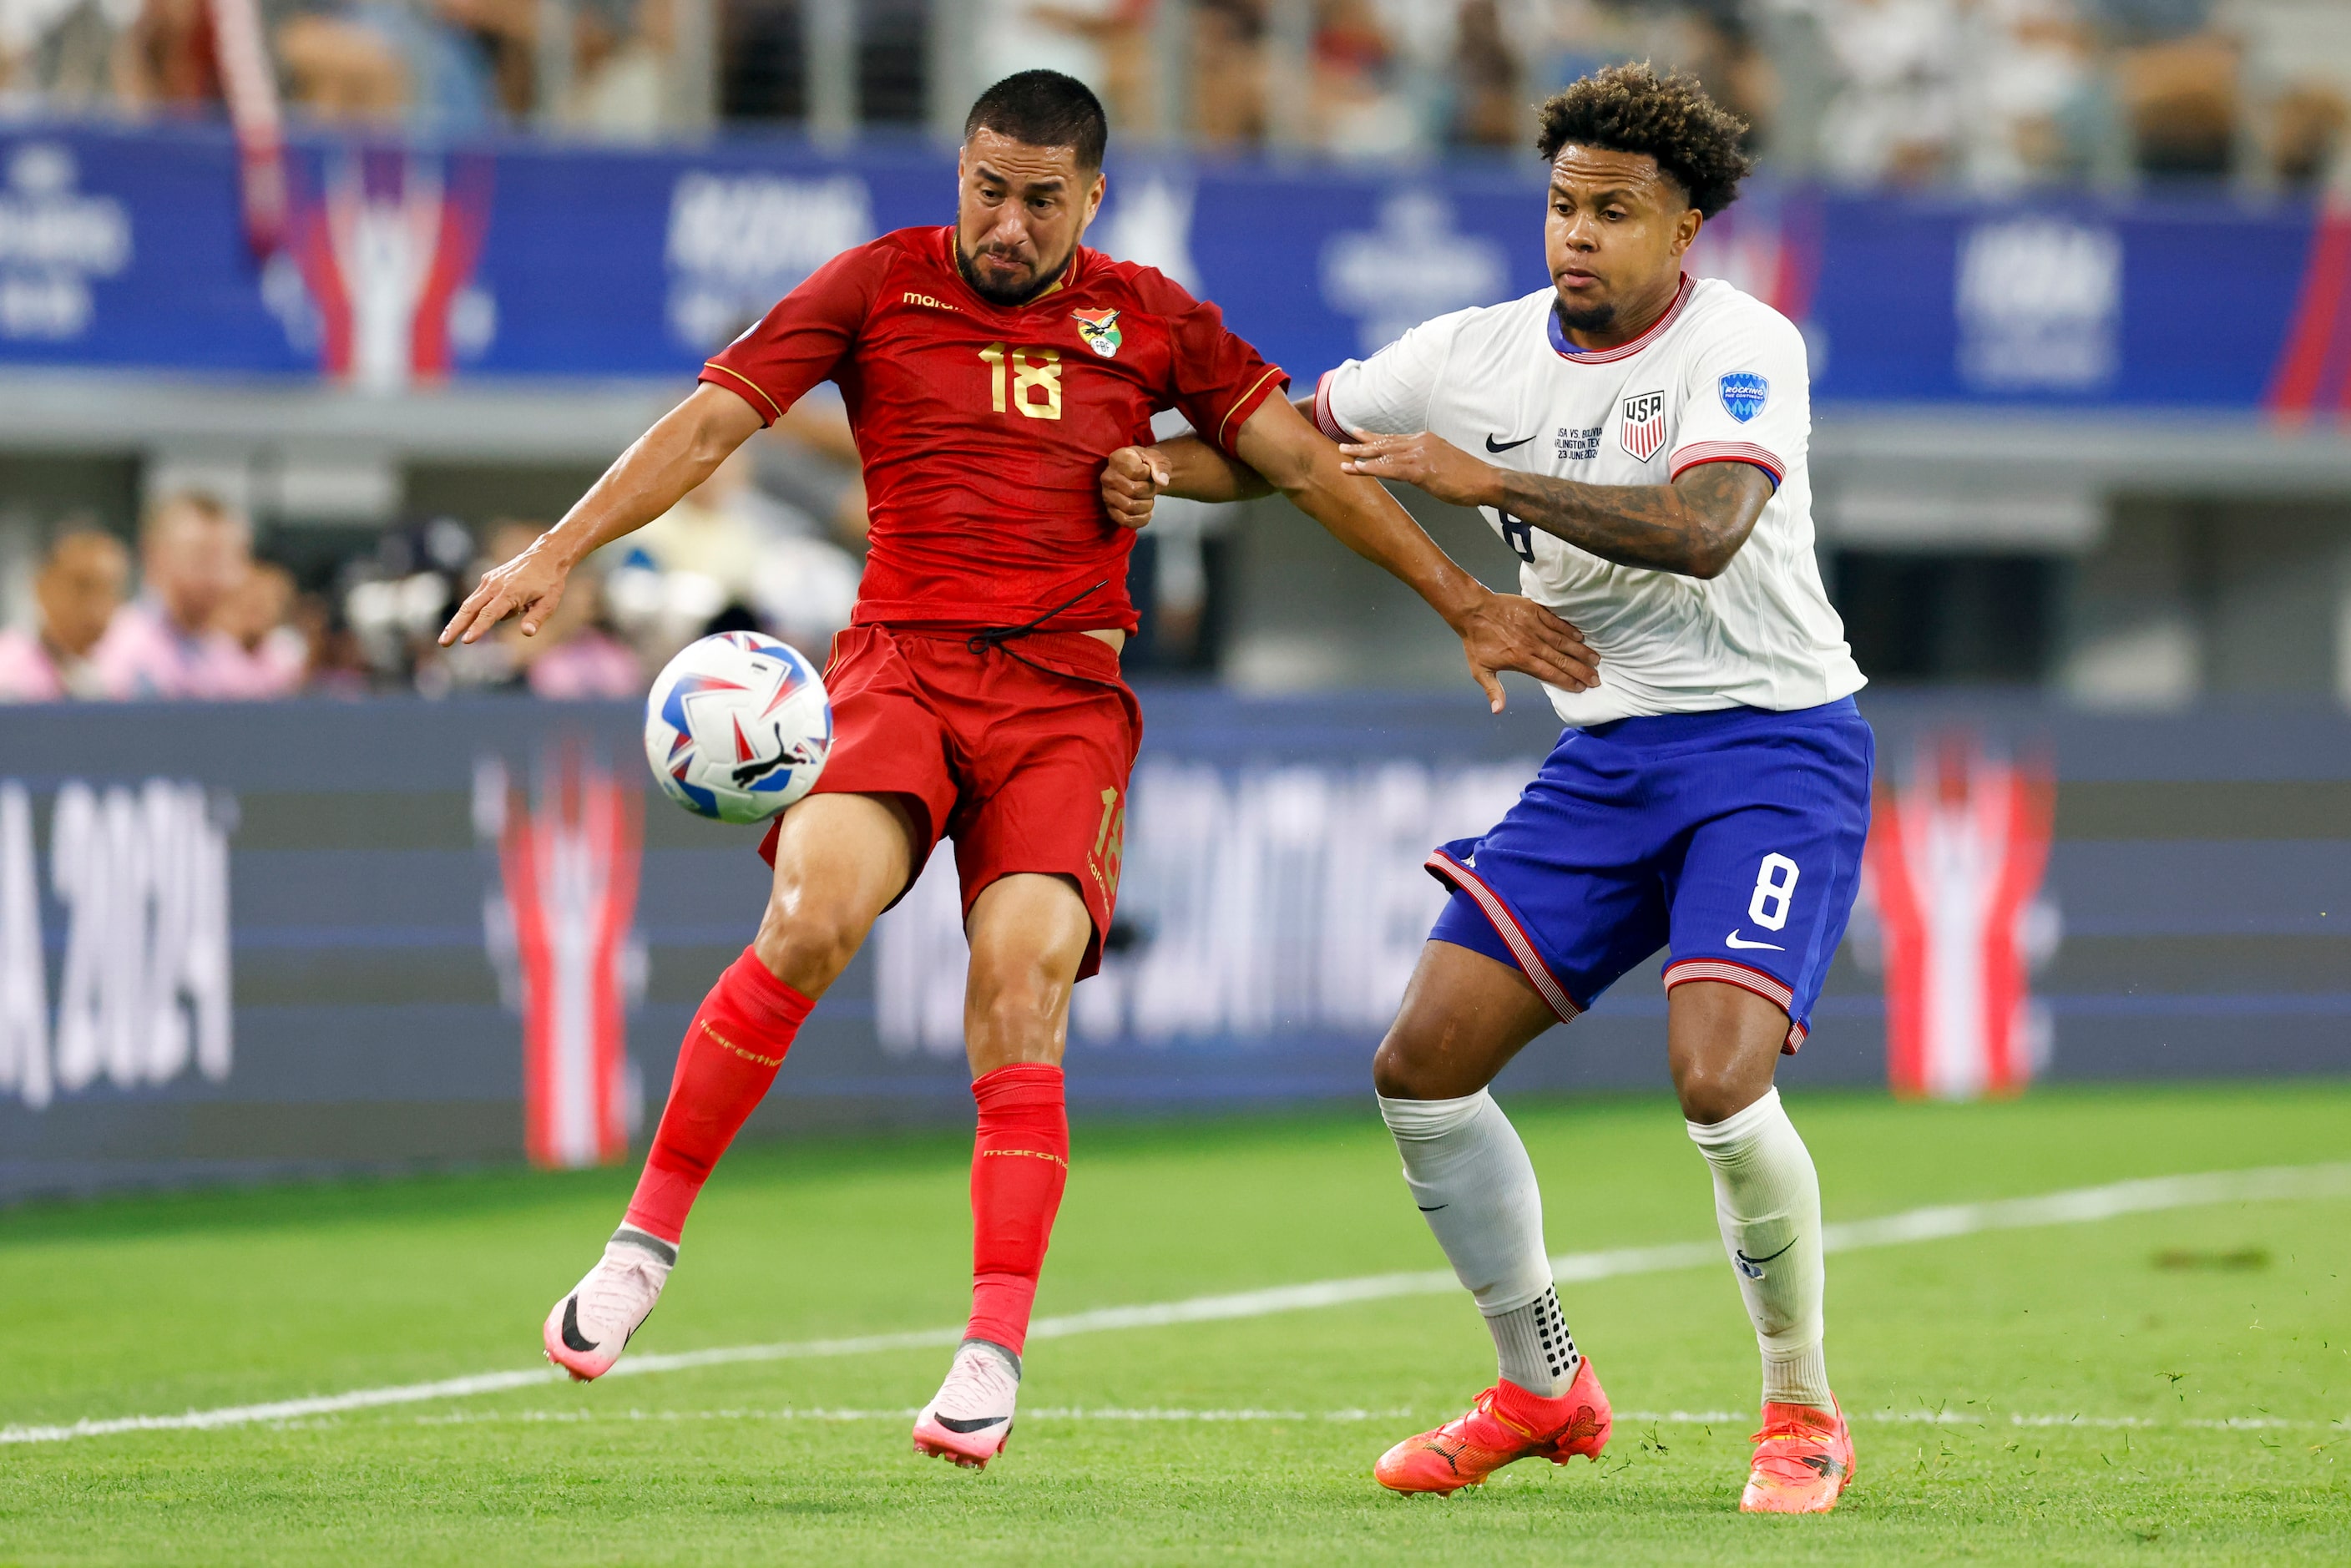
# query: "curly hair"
x,y
1632,109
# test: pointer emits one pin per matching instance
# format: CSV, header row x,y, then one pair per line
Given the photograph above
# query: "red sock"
x,y
731,1056
1018,1164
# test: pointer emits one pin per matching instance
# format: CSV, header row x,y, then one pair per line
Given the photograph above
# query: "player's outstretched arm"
x,y
682,450
1691,527
1497,631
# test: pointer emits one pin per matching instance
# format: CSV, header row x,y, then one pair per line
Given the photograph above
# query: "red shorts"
x,y
1024,767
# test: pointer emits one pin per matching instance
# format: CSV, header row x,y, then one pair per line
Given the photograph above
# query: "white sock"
x,y
1471,1178
1766,1198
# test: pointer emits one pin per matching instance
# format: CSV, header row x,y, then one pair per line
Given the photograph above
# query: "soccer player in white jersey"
x,y
1638,438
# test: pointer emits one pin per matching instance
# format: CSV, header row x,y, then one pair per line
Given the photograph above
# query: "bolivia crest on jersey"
x,y
1744,394
1100,330
1644,424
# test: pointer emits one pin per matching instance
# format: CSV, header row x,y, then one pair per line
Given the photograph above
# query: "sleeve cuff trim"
x,y
1729,452
1324,419
1243,406
776,409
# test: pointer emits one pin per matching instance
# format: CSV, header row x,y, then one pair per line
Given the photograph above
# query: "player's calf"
x,y
588,1329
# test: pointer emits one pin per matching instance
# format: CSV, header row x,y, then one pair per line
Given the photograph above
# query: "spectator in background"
x,y
1895,116
730,555
167,58
336,664
1584,35
1229,79
376,61
1358,111
504,35
2036,112
1102,43
2178,83
257,616
77,593
809,462
194,552
622,91
1489,105
341,71
2306,131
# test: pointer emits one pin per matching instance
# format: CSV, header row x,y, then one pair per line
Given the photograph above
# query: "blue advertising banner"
x,y
123,249
239,941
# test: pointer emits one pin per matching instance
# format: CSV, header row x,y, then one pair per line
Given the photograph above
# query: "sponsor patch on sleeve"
x,y
1744,394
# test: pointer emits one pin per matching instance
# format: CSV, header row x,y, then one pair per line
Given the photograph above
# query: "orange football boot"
x,y
1804,1460
1505,1425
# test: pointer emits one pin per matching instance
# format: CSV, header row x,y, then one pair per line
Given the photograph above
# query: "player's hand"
x,y
1425,462
1506,631
1131,483
530,586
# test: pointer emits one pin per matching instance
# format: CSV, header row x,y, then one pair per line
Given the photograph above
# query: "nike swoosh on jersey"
x,y
980,1423
1732,941
1504,446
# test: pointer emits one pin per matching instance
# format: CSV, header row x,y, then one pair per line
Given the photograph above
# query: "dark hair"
x,y
1632,109
1044,109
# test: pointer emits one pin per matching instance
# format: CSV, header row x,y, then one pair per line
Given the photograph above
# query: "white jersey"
x,y
1720,378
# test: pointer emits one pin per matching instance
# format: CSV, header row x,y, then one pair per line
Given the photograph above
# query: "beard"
x,y
999,294
1589,318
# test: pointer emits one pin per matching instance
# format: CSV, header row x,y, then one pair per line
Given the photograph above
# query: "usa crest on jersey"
x,y
1644,424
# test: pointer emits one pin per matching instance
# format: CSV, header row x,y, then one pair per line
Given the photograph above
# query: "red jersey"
x,y
983,429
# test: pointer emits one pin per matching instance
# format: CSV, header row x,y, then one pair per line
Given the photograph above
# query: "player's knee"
x,y
1397,1074
1711,1092
1015,1012
807,946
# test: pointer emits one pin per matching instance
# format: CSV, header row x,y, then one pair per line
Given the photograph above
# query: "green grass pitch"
x,y
2167,1386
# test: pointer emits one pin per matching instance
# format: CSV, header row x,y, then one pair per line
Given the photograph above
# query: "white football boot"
x,y
969,1420
589,1328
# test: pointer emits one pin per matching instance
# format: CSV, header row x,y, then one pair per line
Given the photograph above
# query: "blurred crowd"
x,y
437,67
770,542
1863,90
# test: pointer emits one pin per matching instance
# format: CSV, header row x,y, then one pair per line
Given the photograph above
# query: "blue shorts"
x,y
1733,839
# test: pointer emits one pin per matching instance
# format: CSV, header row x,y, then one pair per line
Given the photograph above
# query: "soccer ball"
x,y
737,727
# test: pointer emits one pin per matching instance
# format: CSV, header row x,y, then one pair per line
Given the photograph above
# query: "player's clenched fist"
x,y
1506,631
530,585
1131,482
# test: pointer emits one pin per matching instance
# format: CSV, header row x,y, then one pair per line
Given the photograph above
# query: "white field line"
x,y
1732,1418
2074,1206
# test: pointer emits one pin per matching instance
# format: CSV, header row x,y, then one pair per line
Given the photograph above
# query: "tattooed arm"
x,y
1691,527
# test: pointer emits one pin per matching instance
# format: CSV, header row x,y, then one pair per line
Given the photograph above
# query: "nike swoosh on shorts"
x,y
1732,941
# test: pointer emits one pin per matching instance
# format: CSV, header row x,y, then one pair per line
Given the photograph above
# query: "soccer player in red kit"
x,y
990,369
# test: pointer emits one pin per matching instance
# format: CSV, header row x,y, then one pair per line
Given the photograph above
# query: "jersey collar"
x,y
1567,349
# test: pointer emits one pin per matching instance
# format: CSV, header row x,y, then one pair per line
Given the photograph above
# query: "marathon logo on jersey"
x,y
1644,424
1100,330
1744,394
